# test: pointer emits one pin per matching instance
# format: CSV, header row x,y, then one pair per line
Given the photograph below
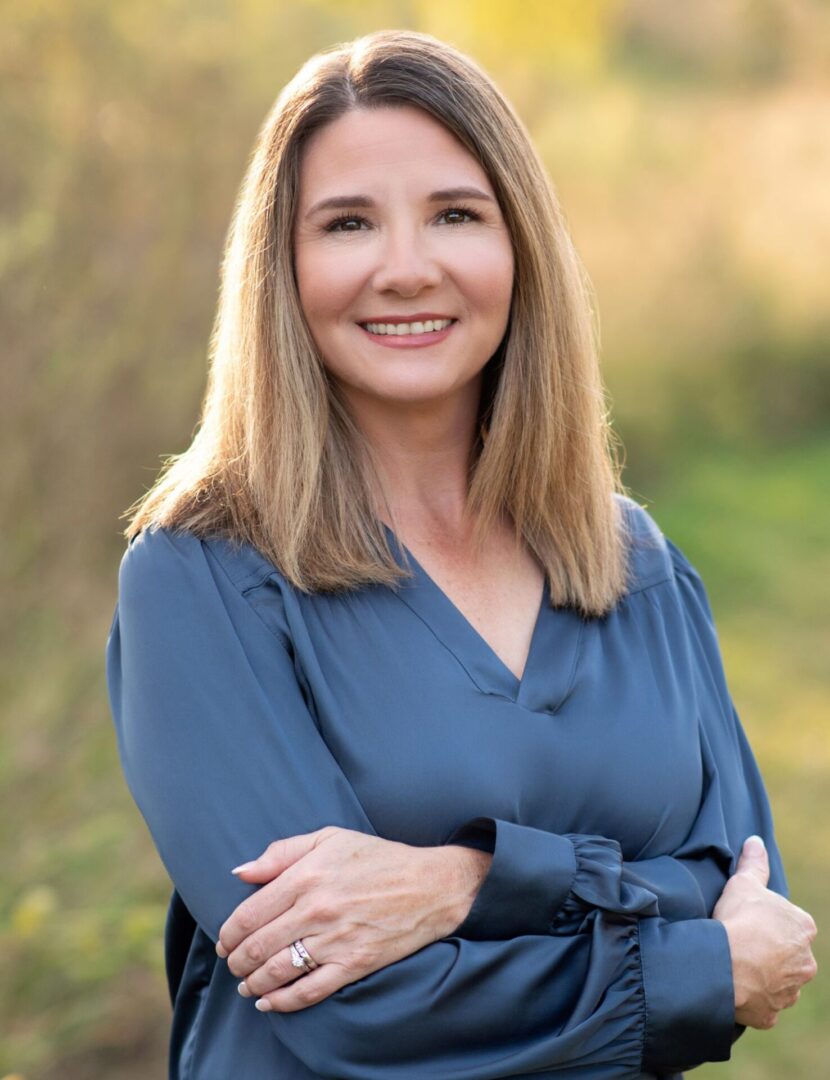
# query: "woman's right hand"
x,y
769,939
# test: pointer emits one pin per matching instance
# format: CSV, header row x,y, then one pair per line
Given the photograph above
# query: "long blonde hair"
x,y
278,462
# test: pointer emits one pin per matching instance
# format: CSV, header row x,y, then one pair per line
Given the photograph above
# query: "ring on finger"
x,y
275,970
301,957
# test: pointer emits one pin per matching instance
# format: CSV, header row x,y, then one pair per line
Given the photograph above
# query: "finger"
x,y
305,991
810,926
258,950
785,998
754,860
252,922
277,971
277,857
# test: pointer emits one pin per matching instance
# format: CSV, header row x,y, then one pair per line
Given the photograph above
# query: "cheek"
x,y
326,280
487,276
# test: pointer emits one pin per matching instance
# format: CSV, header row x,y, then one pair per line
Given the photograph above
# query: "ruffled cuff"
x,y
599,883
544,883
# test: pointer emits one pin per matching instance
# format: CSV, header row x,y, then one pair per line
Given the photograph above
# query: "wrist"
x,y
741,991
461,871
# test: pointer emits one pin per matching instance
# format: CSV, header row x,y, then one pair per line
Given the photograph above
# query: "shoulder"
x,y
172,580
652,557
163,557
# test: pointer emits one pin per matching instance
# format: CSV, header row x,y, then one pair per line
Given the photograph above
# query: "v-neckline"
x,y
550,664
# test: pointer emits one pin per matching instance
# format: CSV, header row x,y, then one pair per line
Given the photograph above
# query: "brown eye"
x,y
462,211
334,226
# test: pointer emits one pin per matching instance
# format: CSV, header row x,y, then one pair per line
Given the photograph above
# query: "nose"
x,y
405,263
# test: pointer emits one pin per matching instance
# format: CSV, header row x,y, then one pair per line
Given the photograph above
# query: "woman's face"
x,y
400,246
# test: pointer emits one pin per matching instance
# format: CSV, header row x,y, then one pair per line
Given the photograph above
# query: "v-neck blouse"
x,y
550,637
613,784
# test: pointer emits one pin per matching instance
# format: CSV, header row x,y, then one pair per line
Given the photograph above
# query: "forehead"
x,y
367,148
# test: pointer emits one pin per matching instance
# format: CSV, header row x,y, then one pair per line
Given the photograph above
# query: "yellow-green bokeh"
x,y
688,146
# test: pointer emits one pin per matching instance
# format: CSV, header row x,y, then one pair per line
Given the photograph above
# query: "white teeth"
x,y
408,328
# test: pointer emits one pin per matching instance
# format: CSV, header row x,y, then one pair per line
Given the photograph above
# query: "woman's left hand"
x,y
358,902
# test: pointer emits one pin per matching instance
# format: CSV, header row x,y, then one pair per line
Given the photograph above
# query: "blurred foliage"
x,y
688,146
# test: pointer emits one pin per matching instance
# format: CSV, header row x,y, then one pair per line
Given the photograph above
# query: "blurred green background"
x,y
689,147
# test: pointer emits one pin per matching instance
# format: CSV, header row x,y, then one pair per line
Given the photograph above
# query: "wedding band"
x,y
301,958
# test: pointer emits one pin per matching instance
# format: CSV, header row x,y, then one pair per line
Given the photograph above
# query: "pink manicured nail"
x,y
243,989
264,1005
244,866
221,950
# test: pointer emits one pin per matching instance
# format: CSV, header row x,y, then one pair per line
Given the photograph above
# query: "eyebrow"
x,y
347,202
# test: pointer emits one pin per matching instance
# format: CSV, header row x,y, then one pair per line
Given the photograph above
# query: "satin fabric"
x,y
613,783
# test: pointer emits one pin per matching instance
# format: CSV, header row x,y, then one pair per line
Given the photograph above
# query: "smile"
x,y
408,335
425,326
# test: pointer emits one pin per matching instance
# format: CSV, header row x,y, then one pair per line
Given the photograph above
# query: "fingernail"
x,y
264,1005
221,950
243,989
755,844
244,866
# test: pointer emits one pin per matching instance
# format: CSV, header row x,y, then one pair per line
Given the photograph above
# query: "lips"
x,y
410,340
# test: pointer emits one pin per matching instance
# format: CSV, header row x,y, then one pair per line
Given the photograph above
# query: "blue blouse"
x,y
613,783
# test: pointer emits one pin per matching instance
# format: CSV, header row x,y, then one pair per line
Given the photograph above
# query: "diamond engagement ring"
x,y
301,958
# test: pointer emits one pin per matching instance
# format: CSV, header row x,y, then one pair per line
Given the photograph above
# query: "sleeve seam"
x,y
645,996
259,580
668,579
284,642
251,578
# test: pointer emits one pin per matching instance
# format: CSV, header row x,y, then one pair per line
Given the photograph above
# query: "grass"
x,y
756,527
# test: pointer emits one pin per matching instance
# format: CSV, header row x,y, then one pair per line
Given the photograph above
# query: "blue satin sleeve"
x,y
222,756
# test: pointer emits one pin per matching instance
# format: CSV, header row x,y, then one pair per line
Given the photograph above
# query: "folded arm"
x,y
542,882
222,756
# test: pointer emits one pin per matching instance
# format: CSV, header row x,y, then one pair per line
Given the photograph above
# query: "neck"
x,y
422,454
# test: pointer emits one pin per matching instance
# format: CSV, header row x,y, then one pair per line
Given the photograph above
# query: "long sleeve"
x,y
539,882
222,756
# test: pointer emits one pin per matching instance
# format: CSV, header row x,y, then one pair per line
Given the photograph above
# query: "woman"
x,y
390,623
